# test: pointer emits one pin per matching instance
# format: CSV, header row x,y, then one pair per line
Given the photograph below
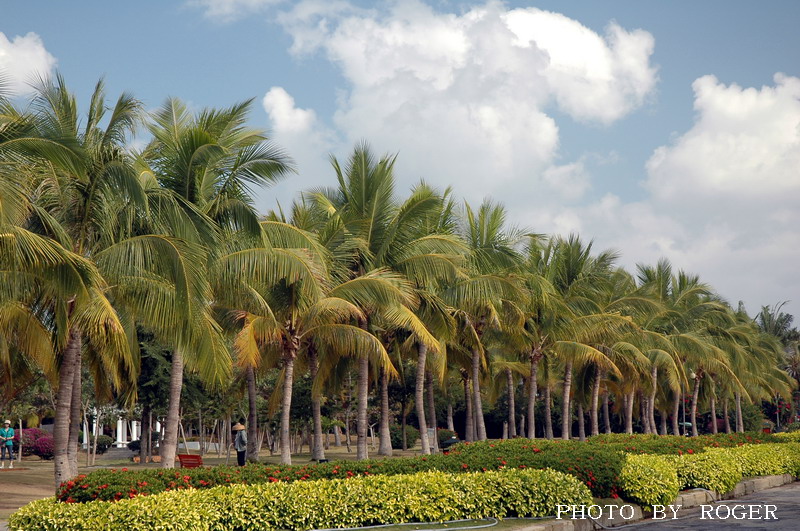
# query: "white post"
x,y
120,424
85,434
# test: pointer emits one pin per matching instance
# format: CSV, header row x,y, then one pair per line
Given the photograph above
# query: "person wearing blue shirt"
x,y
7,444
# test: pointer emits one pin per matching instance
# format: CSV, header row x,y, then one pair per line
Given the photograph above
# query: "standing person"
x,y
240,443
7,442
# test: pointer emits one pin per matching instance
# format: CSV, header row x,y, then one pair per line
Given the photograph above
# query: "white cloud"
x,y
227,10
23,60
304,137
724,196
467,96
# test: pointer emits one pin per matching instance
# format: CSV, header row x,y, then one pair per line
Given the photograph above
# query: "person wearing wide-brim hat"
x,y
7,444
240,443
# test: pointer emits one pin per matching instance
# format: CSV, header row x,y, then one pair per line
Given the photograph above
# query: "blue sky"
x,y
596,117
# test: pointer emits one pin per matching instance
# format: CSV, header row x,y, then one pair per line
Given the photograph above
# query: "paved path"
x,y
786,500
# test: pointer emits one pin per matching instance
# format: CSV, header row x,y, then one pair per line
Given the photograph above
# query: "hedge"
x,y
649,479
421,497
765,459
677,445
712,470
597,465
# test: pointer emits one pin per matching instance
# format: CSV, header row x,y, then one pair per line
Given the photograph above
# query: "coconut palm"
x,y
90,197
209,161
491,294
368,230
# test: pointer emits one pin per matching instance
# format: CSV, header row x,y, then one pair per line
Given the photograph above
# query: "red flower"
x,y
689,451
464,465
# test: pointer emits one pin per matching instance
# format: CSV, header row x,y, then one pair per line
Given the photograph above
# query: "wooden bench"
x,y
190,461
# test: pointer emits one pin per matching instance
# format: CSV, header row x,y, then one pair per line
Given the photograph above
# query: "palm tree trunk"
x,y
480,425
693,410
725,414
419,397
318,451
170,446
581,422
532,391
595,425
651,402
663,421
512,410
469,426
144,437
384,436
432,411
739,420
286,407
361,415
450,425
66,380
75,419
643,413
629,412
252,416
548,414
676,404
606,413
713,415
566,418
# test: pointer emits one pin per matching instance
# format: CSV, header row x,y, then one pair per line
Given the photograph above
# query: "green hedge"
x,y
676,445
421,497
765,459
597,464
712,470
649,479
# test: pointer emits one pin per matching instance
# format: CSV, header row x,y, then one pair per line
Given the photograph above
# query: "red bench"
x,y
190,461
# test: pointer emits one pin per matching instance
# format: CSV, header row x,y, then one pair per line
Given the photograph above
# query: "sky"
x,y
658,129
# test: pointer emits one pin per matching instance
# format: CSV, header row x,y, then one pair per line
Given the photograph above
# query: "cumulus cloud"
x,y
723,197
305,137
468,95
23,60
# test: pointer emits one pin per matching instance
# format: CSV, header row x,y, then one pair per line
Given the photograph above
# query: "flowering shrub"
x,y
44,447
29,438
597,465
363,501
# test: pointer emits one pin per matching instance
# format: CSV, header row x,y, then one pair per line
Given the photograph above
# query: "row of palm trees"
x,y
101,242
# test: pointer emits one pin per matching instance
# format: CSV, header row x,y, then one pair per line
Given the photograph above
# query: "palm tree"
x,y
209,161
367,230
91,199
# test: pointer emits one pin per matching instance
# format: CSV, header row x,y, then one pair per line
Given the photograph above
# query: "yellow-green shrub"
x,y
649,479
790,436
765,459
712,470
422,497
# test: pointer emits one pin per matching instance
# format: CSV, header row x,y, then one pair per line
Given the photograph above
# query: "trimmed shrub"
x,y
444,435
396,432
44,447
792,436
676,445
421,497
104,442
765,459
712,470
649,479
